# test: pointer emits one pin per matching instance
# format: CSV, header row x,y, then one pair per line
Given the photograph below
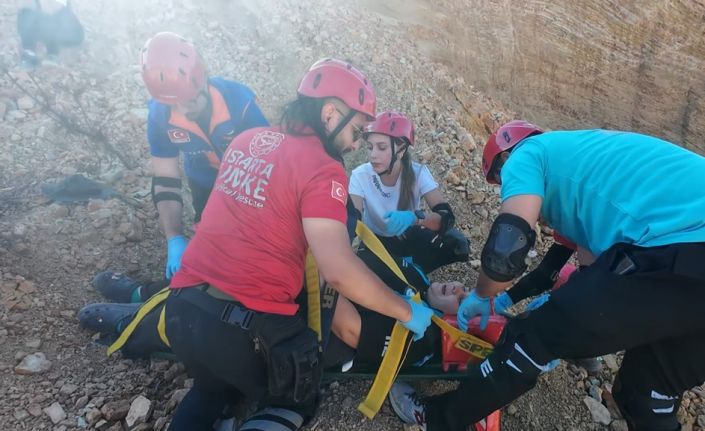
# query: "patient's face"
x,y
446,297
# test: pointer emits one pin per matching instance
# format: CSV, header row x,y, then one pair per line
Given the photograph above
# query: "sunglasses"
x,y
357,131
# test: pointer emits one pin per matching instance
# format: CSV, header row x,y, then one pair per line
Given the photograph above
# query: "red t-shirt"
x,y
250,242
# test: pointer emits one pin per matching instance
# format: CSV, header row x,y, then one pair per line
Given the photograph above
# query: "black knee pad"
x,y
644,409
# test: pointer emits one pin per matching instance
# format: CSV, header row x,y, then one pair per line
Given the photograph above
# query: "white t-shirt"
x,y
378,198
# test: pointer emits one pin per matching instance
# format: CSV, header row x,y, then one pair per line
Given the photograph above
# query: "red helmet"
x,y
172,69
392,124
505,138
337,78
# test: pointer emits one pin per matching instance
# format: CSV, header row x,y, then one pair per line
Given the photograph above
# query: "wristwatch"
x,y
420,216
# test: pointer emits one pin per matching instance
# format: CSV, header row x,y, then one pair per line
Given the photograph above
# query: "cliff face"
x,y
626,64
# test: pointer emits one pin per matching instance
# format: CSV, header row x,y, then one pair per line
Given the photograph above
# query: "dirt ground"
x,y
49,252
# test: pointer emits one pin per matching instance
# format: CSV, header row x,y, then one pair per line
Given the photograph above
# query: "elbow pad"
x,y
504,254
447,217
170,182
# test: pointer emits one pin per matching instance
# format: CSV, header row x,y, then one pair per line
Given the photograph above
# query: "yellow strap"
x,y
398,345
148,306
161,327
313,294
376,247
388,370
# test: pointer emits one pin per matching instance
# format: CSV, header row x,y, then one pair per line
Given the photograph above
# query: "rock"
x,y
101,425
475,264
34,410
35,363
160,424
20,414
619,425
599,413
115,410
59,211
176,398
98,401
611,363
94,205
33,343
701,421
93,416
81,402
135,233
25,103
476,198
139,411
596,393
3,109
15,115
55,412
68,389
511,410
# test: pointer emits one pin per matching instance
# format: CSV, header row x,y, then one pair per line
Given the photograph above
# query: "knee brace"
x,y
646,410
509,242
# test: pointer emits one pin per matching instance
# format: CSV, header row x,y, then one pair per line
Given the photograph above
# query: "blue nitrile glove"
x,y
472,306
538,301
502,302
399,221
175,249
421,316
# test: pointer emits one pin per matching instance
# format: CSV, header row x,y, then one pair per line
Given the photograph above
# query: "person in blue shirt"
x,y
192,115
635,207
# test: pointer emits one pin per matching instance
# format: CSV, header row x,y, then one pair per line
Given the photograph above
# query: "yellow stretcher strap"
x,y
398,343
313,295
148,306
161,327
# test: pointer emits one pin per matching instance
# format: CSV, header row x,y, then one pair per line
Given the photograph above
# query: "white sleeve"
x,y
425,181
355,183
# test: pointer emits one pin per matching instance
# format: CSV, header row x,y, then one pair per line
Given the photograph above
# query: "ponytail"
x,y
408,177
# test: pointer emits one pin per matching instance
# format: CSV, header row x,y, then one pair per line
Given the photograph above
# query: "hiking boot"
x,y
592,365
116,287
106,318
407,405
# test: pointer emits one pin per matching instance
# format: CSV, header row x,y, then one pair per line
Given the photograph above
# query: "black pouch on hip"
x,y
291,351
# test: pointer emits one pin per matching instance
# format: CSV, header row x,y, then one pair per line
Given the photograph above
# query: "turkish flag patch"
x,y
338,192
178,136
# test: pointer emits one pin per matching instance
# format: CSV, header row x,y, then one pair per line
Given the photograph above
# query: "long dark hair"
x,y
408,176
301,114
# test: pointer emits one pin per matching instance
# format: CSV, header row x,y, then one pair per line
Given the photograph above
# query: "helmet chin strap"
x,y
394,159
329,143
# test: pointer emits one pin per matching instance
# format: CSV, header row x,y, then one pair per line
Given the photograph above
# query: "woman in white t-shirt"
x,y
388,190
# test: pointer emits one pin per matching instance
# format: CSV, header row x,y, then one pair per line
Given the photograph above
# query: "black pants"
x,y
221,357
653,309
56,30
427,249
